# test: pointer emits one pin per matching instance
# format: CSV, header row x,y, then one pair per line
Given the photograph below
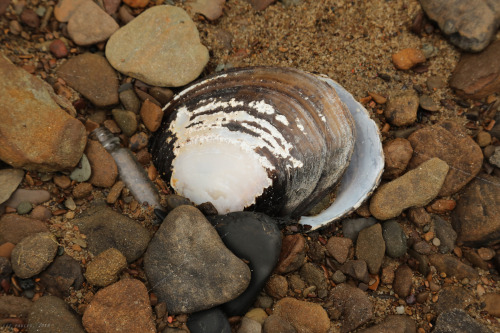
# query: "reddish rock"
x,y
393,324
136,3
41,213
476,219
339,248
30,18
304,316
450,143
441,206
397,154
13,228
58,49
29,107
293,254
111,6
93,77
62,181
407,58
6,249
151,115
104,169
121,307
478,75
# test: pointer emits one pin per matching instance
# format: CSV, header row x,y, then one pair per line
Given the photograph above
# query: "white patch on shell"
x,y
282,119
262,107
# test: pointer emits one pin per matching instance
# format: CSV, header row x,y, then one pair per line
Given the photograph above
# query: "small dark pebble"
x,y
26,284
410,300
208,209
385,77
174,201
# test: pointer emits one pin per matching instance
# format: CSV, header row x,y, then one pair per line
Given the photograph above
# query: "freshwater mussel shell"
x,y
304,130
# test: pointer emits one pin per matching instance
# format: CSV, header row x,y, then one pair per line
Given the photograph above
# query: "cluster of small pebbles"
x,y
78,253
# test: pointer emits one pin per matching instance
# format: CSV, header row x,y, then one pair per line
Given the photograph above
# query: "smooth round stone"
x,y
126,120
83,171
256,238
395,239
160,47
129,98
303,316
34,196
9,181
352,227
208,321
24,207
11,305
370,247
403,281
104,169
13,228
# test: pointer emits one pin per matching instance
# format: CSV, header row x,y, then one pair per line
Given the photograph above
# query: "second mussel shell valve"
x,y
270,139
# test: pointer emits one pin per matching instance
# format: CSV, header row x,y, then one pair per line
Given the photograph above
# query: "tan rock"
x,y
105,267
415,188
151,115
65,8
401,110
397,154
104,169
305,317
211,9
29,108
407,58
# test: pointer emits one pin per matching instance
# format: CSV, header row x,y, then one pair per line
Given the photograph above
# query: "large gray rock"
x,y
458,321
161,47
470,25
107,229
29,107
50,314
188,265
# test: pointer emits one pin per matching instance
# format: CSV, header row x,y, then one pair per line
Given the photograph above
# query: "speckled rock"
x,y
126,120
452,266
352,227
62,274
121,307
339,248
458,321
33,254
30,106
314,276
104,169
305,317
105,267
13,228
370,247
449,142
92,76
395,239
9,181
129,98
90,24
415,188
469,25
354,305
393,324
211,320
165,55
397,154
192,244
446,235
107,229
452,297
476,219
248,325
50,314
402,108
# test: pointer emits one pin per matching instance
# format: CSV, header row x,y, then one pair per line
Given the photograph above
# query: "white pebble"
x,y
436,242
400,310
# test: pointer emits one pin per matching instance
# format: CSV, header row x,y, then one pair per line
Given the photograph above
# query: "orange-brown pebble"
x,y
58,49
151,115
377,98
6,249
428,236
407,58
76,248
136,3
441,206
62,181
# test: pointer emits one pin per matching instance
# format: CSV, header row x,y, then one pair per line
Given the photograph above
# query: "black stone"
x,y
208,321
64,273
254,237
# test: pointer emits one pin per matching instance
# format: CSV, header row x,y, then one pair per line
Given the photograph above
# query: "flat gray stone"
x,y
50,314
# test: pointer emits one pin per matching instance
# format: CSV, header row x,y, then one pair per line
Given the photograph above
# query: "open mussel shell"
x,y
275,140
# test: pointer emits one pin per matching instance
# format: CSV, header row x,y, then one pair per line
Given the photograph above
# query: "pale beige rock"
x,y
416,188
211,9
161,47
65,8
305,317
89,24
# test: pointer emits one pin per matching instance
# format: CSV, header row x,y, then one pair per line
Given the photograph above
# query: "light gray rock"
x,y
50,314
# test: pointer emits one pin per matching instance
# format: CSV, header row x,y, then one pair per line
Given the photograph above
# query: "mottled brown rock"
x,y
449,142
452,266
10,180
470,25
452,297
104,169
13,305
93,77
401,110
160,47
151,115
415,188
105,267
29,107
261,4
419,216
136,3
90,24
277,286
370,247
354,305
64,273
397,154
393,324
65,8
50,314
121,307
476,219
492,302
305,317
339,248
407,58
82,190
478,75
293,254
33,254
13,228
403,281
